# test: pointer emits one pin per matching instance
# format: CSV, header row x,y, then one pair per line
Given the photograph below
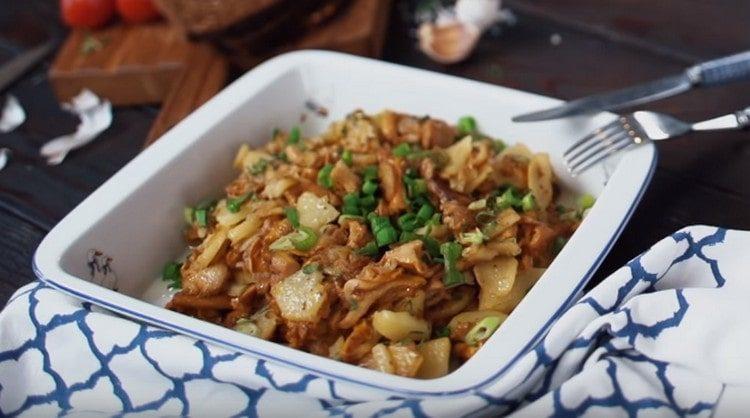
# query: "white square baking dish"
x,y
134,220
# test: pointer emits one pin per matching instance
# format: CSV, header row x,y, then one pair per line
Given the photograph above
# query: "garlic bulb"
x,y
455,33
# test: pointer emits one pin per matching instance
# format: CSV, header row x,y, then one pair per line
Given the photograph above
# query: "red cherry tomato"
x,y
87,14
137,11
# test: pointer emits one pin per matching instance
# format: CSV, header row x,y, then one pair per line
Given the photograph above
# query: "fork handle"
x,y
737,120
721,70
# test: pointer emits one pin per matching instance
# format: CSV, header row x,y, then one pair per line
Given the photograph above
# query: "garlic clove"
x,y
449,43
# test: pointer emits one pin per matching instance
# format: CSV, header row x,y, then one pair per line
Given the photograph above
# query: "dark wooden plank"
x,y
46,193
20,239
692,27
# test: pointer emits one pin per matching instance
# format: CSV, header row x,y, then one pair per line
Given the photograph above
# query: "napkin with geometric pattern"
x,y
665,335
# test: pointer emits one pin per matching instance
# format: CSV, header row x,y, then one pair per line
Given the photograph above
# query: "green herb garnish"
x,y
310,268
402,150
369,249
234,204
293,216
483,330
172,275
466,125
347,157
324,176
451,252
305,238
294,136
259,166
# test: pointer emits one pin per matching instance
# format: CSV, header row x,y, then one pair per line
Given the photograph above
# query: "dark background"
x,y
700,179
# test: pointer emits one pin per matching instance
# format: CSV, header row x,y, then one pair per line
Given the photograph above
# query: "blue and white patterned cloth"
x,y
666,335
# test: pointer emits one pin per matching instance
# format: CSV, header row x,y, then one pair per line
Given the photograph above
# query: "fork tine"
x,y
598,133
621,145
604,135
595,148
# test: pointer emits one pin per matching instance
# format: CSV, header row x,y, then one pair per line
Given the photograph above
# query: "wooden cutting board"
x,y
140,64
155,63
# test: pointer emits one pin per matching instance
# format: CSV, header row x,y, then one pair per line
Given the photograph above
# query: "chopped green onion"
x,y
498,146
586,201
431,246
351,199
402,150
528,202
483,330
234,204
351,204
172,275
369,187
293,216
558,245
485,216
453,278
294,136
370,172
282,156
284,243
368,202
425,213
451,252
310,268
205,204
370,249
442,332
305,239
385,236
347,157
507,199
416,187
407,236
466,125
201,217
379,222
408,222
324,176
473,237
259,167
188,214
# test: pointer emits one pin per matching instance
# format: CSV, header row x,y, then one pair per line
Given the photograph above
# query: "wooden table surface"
x,y
701,179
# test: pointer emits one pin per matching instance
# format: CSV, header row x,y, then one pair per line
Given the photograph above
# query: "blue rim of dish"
x,y
539,334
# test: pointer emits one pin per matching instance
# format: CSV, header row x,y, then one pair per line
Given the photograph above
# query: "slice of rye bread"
x,y
248,38
203,17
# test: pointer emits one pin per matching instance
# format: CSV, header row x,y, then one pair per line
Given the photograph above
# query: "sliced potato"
x,y
314,211
540,180
436,358
252,157
524,281
240,156
397,326
248,227
379,359
211,246
457,154
224,217
406,359
496,278
276,188
300,296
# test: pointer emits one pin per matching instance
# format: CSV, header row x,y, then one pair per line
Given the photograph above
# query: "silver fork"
x,y
636,128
